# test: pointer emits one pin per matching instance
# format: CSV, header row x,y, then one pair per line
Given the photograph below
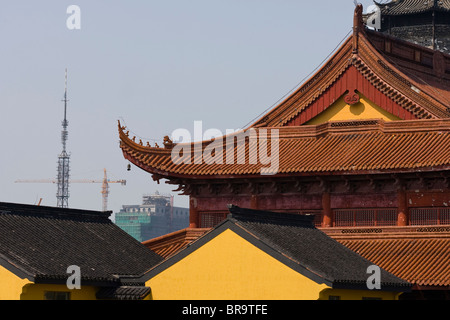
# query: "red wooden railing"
x,y
429,216
365,217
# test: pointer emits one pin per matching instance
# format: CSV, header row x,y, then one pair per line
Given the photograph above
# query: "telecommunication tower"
x,y
62,194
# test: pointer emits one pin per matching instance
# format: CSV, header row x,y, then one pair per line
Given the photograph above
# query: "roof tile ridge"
x,y
162,240
312,82
364,126
139,146
388,89
312,96
385,235
53,212
330,128
184,234
422,125
368,57
275,247
316,95
243,215
369,52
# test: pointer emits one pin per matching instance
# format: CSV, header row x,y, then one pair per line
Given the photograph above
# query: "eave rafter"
x,y
346,147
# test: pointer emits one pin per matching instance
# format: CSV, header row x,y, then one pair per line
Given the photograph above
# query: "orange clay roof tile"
x,y
419,261
343,147
172,243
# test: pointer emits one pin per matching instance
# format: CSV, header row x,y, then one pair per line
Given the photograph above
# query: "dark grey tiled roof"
x,y
42,242
123,293
400,7
295,237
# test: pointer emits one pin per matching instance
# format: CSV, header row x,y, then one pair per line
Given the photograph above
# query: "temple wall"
x,y
383,200
209,210
428,199
300,202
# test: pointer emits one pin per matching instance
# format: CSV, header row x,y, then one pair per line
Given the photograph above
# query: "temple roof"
x,y
294,241
424,70
415,254
40,243
123,293
418,255
170,244
343,147
401,7
409,81
388,70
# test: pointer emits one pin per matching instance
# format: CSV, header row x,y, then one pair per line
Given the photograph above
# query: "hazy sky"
x,y
157,66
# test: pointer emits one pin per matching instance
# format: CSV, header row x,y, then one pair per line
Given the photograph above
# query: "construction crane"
x,y
105,185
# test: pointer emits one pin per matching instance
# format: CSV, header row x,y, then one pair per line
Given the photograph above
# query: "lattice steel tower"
x,y
62,195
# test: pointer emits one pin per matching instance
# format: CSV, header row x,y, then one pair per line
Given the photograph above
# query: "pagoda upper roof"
x,y
415,78
402,7
408,80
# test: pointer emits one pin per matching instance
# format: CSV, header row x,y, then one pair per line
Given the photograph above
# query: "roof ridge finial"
x,y
358,25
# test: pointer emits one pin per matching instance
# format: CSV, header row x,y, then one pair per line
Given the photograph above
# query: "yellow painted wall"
x,y
340,110
14,288
230,268
358,294
37,292
10,285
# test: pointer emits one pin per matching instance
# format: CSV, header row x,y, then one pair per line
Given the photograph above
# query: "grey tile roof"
x,y
401,7
42,242
309,249
293,240
123,293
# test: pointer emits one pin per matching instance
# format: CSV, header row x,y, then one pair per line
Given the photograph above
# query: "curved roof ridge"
x,y
382,72
431,102
338,62
303,143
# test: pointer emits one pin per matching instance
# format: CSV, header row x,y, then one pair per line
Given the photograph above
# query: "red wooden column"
x,y
402,210
194,219
254,202
327,220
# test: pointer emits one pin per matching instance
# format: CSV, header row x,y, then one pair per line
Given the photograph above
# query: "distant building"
x,y
156,216
426,23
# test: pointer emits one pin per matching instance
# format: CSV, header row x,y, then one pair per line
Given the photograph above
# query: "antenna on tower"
x,y
62,194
